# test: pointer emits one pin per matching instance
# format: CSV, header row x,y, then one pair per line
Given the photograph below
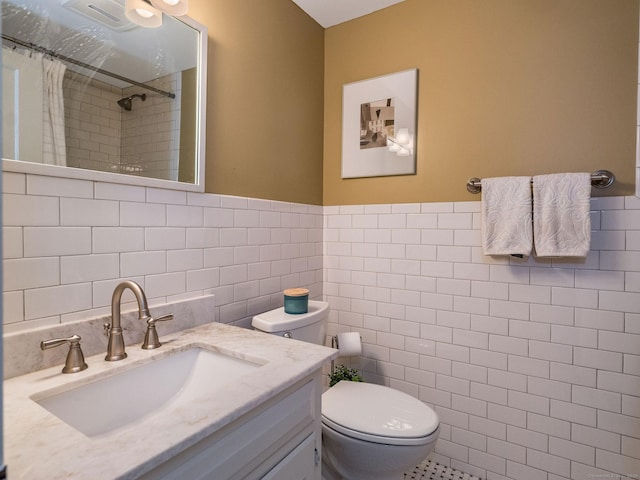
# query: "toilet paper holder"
x,y
352,345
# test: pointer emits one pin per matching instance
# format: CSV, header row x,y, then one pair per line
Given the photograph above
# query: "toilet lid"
x,y
369,412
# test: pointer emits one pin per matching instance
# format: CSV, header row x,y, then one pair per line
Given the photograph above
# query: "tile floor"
x,y
429,470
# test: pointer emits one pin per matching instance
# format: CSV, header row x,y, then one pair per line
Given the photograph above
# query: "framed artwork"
x,y
379,126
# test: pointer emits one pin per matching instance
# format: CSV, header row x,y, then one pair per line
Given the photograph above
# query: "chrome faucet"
x,y
75,359
115,348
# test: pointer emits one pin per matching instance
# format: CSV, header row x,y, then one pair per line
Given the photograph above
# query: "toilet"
x,y
377,439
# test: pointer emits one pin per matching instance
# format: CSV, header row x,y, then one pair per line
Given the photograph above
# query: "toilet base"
x,y
345,458
328,473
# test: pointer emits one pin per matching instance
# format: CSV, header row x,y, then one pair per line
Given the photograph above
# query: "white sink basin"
x,y
127,397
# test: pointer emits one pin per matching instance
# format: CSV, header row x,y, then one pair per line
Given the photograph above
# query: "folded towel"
x,y
561,221
506,216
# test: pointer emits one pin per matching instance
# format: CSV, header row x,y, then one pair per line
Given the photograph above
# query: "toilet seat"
x,y
378,414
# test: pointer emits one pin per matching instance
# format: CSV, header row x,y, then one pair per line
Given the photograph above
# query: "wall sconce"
x,y
148,13
402,143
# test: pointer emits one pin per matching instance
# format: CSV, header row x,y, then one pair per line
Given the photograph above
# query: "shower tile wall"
x,y
92,123
67,243
102,136
151,131
533,366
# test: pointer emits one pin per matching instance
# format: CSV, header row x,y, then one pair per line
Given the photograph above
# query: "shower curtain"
x,y
55,150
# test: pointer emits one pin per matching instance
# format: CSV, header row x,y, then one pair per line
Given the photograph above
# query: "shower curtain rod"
x,y
51,53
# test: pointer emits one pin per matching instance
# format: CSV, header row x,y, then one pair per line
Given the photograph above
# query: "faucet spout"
x,y
115,348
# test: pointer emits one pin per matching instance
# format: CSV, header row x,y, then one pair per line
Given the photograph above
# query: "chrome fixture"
x,y
148,13
66,59
75,359
599,179
151,340
126,102
115,348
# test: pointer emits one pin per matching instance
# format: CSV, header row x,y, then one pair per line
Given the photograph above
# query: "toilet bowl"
x,y
369,432
373,432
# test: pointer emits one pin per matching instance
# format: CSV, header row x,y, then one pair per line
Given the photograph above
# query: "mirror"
x,y
88,94
638,136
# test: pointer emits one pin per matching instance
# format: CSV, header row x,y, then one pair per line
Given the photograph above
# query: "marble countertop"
x,y
39,445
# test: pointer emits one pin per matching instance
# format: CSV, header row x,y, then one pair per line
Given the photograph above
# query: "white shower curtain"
x,y
55,150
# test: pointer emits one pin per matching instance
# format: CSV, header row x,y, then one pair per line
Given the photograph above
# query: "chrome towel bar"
x,y
599,179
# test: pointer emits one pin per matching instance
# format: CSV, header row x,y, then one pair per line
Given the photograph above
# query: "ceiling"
x,y
332,12
79,29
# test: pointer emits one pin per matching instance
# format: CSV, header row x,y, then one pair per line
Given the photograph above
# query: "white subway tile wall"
x,y
92,122
102,136
532,365
150,141
67,243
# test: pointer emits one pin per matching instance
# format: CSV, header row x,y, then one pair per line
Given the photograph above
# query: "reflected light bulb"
x,y
403,136
144,12
172,7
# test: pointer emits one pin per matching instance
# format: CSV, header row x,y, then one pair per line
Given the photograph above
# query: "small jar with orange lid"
x,y
296,300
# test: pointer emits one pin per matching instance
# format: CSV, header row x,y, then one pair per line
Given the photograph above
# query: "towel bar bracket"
x,y
474,185
602,179
599,179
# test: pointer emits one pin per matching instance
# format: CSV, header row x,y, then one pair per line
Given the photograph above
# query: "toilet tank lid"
x,y
378,410
278,320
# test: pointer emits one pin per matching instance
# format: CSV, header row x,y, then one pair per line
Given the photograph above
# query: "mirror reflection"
x,y
84,87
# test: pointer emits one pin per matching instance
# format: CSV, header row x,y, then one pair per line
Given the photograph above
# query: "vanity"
x,y
245,405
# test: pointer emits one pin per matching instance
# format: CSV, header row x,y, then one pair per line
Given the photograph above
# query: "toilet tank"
x,y
307,327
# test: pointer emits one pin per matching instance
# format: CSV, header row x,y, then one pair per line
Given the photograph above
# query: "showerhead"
x,y
126,102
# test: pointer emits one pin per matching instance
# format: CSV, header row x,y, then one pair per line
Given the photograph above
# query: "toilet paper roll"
x,y
349,344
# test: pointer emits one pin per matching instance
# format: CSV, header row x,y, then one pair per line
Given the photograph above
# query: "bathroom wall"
x,y
532,365
264,99
67,244
504,88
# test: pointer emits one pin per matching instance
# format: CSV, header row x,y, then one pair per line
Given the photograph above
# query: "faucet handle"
x,y
151,339
75,359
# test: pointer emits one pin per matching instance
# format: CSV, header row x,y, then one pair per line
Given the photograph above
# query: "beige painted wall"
x,y
264,99
506,87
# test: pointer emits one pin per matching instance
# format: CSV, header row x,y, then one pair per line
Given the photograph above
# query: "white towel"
x,y
561,221
506,216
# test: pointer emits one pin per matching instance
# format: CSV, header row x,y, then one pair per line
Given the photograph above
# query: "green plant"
x,y
342,372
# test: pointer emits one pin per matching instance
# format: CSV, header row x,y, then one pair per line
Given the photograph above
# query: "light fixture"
x,y
148,13
172,7
402,143
142,13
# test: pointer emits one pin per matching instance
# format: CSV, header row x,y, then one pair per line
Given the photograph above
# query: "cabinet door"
x,y
300,464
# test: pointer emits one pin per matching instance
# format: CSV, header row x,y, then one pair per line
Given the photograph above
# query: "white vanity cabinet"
x,y
263,422
302,463
278,440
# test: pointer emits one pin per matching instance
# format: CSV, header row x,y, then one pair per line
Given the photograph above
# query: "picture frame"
x,y
376,113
